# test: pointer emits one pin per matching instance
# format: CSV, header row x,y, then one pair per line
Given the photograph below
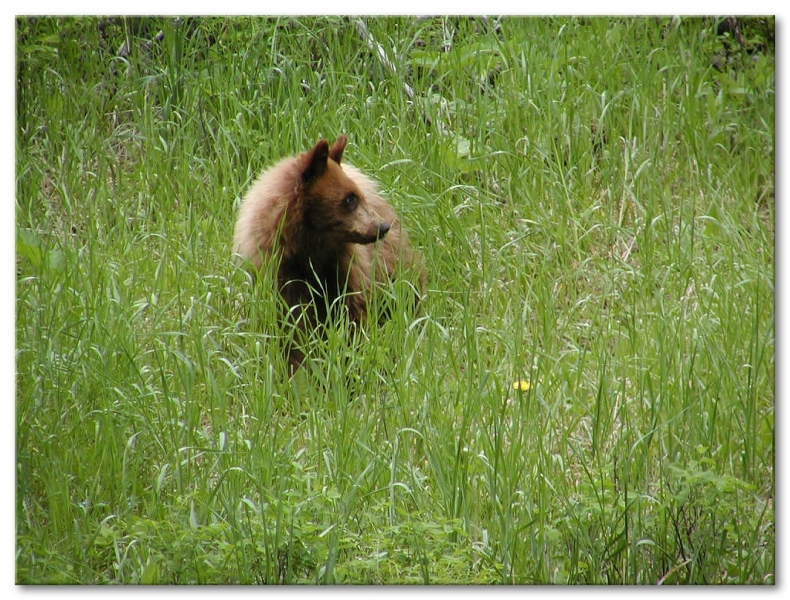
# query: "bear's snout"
x,y
373,233
382,230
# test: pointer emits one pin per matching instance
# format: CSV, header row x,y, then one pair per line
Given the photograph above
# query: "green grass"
x,y
595,202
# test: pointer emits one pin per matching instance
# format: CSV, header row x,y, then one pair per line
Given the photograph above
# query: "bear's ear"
x,y
315,161
336,151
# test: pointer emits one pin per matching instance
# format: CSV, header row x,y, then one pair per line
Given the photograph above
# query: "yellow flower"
x,y
521,385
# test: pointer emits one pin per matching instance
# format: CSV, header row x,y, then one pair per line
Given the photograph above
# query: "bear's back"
x,y
261,211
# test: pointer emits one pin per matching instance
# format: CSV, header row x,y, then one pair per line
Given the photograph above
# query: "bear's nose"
x,y
383,229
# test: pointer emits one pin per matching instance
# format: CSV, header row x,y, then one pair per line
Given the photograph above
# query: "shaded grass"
x,y
595,203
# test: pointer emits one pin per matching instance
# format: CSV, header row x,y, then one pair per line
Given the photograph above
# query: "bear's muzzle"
x,y
382,230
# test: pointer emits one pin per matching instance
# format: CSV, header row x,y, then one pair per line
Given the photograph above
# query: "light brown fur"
x,y
330,231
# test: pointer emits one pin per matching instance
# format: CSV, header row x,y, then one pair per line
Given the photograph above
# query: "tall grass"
x,y
594,199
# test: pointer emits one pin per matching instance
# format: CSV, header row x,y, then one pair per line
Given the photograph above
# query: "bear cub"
x,y
328,233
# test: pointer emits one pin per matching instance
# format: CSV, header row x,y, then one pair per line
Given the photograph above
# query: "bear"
x,y
323,225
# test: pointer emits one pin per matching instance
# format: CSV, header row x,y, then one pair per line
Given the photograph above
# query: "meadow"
x,y
585,396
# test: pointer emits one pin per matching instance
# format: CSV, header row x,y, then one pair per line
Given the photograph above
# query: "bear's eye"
x,y
351,201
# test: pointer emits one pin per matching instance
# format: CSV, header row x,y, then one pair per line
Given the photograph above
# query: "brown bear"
x,y
328,233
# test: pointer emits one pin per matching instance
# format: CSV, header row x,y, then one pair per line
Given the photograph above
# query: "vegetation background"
x,y
586,396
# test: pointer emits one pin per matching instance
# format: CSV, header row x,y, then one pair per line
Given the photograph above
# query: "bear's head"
x,y
332,206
